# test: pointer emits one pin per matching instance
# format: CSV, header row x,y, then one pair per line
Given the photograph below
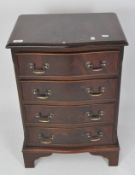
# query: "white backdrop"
x,y
11,132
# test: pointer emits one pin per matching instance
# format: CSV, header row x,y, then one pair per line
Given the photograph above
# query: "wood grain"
x,y
69,115
70,129
69,65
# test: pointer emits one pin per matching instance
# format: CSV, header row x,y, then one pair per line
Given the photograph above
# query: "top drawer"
x,y
66,65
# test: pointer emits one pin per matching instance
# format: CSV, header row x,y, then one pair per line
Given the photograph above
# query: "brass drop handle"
x,y
42,96
95,93
44,118
39,71
95,138
45,140
90,66
95,117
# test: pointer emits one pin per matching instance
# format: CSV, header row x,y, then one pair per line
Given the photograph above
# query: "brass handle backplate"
x,y
95,93
95,138
44,118
90,66
45,140
39,71
42,96
95,116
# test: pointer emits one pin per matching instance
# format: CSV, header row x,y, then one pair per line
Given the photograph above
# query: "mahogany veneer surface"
x,y
68,72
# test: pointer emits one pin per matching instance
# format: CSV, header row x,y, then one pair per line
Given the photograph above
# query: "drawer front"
x,y
69,114
67,91
78,64
69,137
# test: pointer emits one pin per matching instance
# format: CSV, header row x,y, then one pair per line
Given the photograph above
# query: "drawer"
x,y
67,65
67,91
67,115
38,136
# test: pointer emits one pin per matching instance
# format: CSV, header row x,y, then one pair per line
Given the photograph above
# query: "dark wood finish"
x,y
77,64
67,115
29,157
62,91
69,137
66,30
78,49
61,120
111,152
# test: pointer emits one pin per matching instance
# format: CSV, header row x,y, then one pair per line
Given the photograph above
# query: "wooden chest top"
x,y
66,30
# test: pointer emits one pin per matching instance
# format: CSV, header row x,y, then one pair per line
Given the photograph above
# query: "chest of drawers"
x,y
68,71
